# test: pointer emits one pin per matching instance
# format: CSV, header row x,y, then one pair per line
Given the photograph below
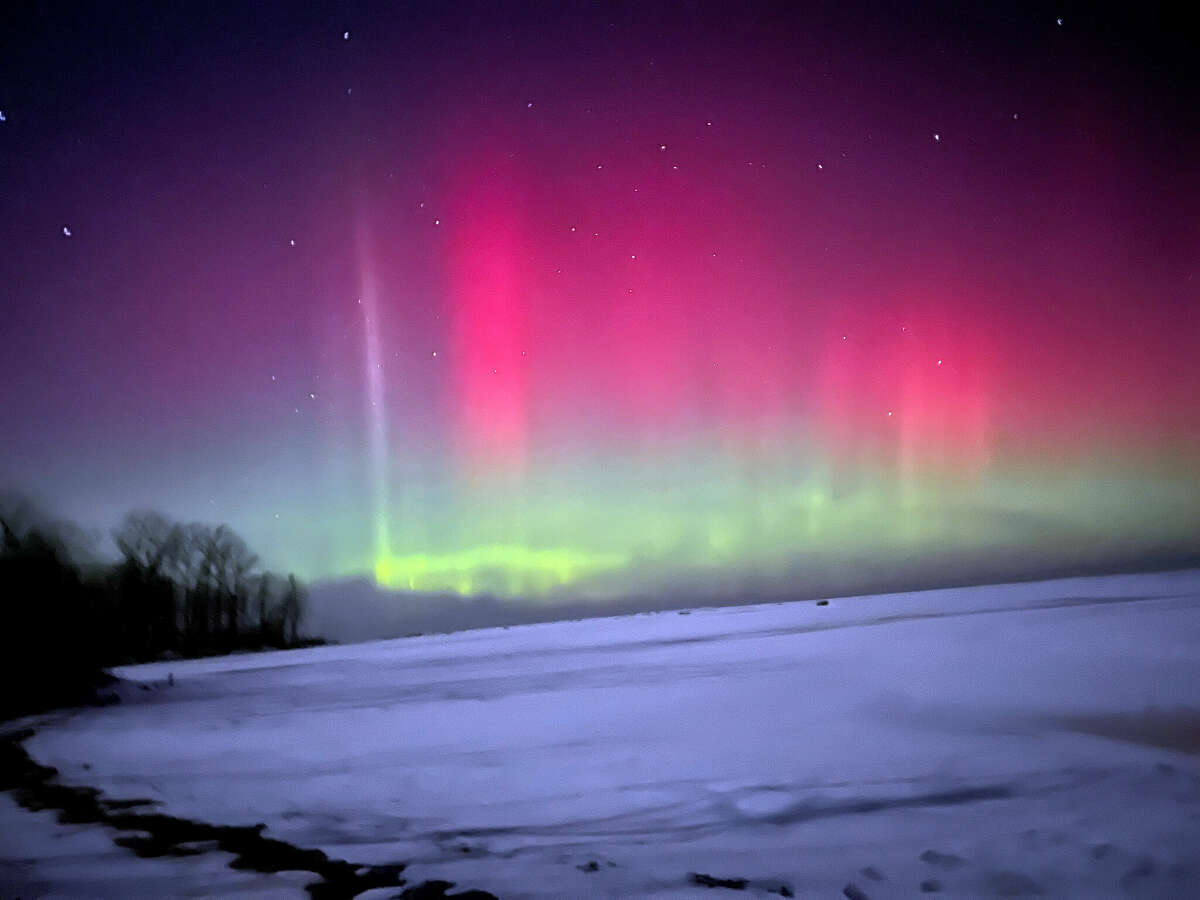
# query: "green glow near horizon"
x,y
544,543
500,568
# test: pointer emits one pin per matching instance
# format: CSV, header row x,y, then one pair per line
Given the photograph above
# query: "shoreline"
x,y
150,834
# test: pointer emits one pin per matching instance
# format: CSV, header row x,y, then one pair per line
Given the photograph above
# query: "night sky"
x,y
546,298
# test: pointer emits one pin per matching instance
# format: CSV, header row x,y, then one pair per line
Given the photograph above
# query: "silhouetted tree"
x,y
190,589
147,540
47,650
291,611
144,591
264,608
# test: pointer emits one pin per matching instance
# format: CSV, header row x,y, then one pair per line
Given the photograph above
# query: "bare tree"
x,y
264,590
225,568
64,615
147,539
292,610
144,602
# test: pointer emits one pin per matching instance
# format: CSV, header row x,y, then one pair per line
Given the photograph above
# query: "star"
x,y
819,166
529,105
2,118
66,231
312,396
939,362
345,37
662,147
1059,21
292,243
937,137
437,221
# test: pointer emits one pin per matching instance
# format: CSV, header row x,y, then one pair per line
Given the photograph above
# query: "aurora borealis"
x,y
529,300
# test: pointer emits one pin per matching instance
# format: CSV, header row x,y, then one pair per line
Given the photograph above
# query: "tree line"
x,y
176,590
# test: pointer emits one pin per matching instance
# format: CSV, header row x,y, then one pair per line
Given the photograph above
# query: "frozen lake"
x,y
1036,737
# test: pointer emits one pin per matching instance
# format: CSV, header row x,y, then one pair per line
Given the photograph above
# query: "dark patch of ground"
x,y
740,884
436,890
155,834
1171,729
734,884
947,861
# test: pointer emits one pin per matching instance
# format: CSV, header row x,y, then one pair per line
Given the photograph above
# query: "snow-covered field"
x,y
1037,737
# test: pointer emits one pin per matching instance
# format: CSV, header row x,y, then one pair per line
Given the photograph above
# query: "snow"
x,y
39,857
1041,732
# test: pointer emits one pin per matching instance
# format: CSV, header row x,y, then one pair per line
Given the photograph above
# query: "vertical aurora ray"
x,y
375,403
489,303
626,407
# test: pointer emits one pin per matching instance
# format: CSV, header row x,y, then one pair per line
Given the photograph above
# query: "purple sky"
x,y
644,288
